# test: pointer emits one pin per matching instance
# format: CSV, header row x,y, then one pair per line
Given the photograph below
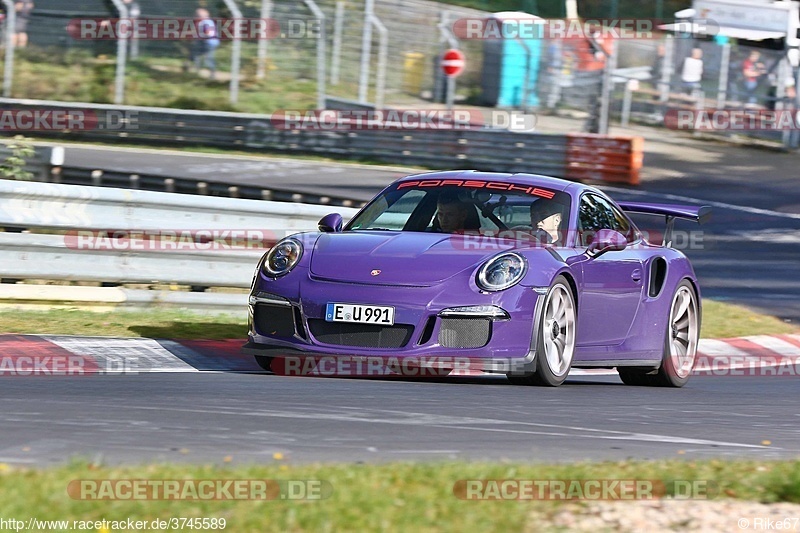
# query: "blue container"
x,y
508,62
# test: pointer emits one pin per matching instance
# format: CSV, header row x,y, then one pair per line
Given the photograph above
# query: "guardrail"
x,y
480,149
152,182
199,241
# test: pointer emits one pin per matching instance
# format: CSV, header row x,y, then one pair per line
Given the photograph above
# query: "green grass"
x,y
395,496
720,320
159,323
154,81
724,320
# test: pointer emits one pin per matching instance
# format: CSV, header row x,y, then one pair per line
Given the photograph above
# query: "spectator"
x,y
692,71
23,10
752,71
203,49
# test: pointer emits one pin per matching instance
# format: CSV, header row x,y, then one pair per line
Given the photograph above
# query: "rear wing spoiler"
x,y
700,214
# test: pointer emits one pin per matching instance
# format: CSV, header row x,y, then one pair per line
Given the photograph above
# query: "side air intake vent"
x,y
658,274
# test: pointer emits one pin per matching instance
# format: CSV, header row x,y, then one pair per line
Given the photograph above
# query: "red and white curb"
x,y
27,355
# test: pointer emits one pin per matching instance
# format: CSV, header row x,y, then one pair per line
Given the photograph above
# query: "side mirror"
x,y
607,240
330,223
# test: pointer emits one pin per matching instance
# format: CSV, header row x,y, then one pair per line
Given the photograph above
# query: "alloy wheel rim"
x,y
559,330
683,332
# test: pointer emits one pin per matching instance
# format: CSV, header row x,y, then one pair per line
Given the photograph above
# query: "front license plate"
x,y
363,314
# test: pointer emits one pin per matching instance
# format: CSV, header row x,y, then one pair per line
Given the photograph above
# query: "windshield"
x,y
483,209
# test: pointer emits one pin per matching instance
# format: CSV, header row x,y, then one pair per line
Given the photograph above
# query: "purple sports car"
x,y
518,274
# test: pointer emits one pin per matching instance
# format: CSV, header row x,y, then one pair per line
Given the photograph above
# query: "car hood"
x,y
399,258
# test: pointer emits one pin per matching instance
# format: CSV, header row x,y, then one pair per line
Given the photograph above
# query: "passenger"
x,y
546,216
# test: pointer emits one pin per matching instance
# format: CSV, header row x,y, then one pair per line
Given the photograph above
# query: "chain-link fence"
x,y
384,52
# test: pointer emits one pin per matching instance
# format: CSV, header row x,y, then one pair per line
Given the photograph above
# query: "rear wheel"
x,y
555,343
680,344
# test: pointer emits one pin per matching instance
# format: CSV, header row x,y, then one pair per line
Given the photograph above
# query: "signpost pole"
x,y
453,62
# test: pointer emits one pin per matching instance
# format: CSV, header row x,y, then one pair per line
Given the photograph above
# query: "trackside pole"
x,y
122,56
8,74
236,52
320,52
266,13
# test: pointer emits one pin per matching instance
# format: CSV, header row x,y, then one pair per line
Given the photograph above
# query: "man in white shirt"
x,y
692,71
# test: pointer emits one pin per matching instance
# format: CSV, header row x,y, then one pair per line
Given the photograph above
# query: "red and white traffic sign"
x,y
453,62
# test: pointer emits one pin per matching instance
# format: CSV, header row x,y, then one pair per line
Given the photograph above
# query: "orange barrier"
x,y
603,158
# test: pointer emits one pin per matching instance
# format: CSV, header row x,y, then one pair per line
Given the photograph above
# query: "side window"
x,y
623,225
592,218
597,213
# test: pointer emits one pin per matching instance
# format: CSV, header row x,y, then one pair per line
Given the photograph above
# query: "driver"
x,y
546,218
453,215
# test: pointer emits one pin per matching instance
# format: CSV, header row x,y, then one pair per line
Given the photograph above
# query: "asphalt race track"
x,y
747,254
206,416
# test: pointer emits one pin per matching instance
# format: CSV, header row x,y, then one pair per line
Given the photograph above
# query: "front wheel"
x,y
555,339
264,362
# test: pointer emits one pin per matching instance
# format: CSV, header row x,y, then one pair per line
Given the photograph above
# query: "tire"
x,y
555,341
680,343
264,362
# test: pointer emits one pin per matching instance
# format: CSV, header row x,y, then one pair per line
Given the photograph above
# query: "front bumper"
x,y
300,309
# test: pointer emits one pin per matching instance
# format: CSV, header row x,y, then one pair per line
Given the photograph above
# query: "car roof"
x,y
555,184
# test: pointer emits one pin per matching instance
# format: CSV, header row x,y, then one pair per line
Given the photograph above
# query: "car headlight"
x,y
283,257
501,272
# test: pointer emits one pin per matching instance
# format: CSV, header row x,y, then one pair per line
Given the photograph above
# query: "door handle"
x,y
636,275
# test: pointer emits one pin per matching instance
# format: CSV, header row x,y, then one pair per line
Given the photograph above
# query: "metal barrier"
x,y
479,149
65,233
152,182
